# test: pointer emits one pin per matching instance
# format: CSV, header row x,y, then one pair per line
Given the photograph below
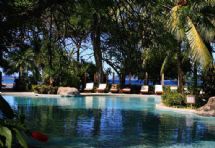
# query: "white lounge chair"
x,y
114,88
126,90
144,89
158,89
89,87
102,87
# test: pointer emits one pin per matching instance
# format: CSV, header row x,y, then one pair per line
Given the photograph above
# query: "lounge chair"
x,y
144,89
126,90
173,88
114,88
89,87
158,89
102,87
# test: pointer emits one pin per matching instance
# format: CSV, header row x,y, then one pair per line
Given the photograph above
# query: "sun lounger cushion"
x,y
89,86
158,89
144,89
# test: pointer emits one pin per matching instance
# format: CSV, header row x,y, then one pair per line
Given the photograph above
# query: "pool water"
x,y
108,121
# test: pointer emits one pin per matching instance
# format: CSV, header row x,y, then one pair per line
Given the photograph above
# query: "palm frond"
x,y
197,45
175,23
206,29
211,2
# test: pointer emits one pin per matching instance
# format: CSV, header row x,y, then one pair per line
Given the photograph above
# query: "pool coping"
x,y
32,94
159,106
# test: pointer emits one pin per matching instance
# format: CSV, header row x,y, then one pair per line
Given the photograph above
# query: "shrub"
x,y
44,89
209,81
173,98
13,129
151,89
21,84
201,99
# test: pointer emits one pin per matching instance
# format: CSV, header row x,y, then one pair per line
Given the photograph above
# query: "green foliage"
x,y
11,129
5,132
44,89
209,81
35,35
24,3
173,98
201,99
22,84
183,23
20,138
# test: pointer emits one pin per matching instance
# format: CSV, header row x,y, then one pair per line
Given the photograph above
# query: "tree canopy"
x,y
49,39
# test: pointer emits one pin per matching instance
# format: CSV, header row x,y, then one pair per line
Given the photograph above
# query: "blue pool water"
x,y
112,122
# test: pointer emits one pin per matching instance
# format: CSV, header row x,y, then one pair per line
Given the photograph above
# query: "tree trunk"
x,y
78,51
113,78
130,79
50,42
50,50
95,36
21,72
146,79
180,71
162,79
122,80
195,78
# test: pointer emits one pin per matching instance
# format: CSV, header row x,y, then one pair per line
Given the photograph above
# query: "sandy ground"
x,y
161,106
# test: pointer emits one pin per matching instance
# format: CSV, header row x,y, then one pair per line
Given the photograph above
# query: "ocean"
x,y
10,80
7,80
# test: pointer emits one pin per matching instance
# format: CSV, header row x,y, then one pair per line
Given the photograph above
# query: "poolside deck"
x,y
32,94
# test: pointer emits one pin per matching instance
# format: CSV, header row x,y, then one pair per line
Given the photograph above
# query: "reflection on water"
x,y
112,122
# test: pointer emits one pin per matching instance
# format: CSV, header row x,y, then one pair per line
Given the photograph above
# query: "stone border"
x,y
161,106
32,94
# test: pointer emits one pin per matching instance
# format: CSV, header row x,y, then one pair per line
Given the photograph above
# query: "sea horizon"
x,y
10,80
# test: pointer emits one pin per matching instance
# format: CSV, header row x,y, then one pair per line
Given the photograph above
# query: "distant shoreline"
x,y
7,85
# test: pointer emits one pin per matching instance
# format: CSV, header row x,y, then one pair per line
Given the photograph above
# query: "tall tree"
x,y
183,17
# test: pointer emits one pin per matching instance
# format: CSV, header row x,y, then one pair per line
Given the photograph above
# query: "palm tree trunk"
x,y
95,36
50,42
21,72
122,79
146,78
78,46
195,78
162,79
180,71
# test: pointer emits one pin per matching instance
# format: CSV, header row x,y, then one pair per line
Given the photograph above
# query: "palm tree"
x,y
21,61
190,22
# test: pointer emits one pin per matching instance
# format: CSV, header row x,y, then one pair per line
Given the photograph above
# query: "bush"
x,y
44,89
22,84
209,81
173,98
201,99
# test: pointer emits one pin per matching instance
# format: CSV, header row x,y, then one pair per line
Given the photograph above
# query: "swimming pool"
x,y
110,121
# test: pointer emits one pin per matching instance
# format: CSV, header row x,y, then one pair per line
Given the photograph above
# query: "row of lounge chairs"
x,y
115,88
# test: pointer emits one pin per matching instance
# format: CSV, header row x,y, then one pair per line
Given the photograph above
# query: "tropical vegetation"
x,y
54,43
51,43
